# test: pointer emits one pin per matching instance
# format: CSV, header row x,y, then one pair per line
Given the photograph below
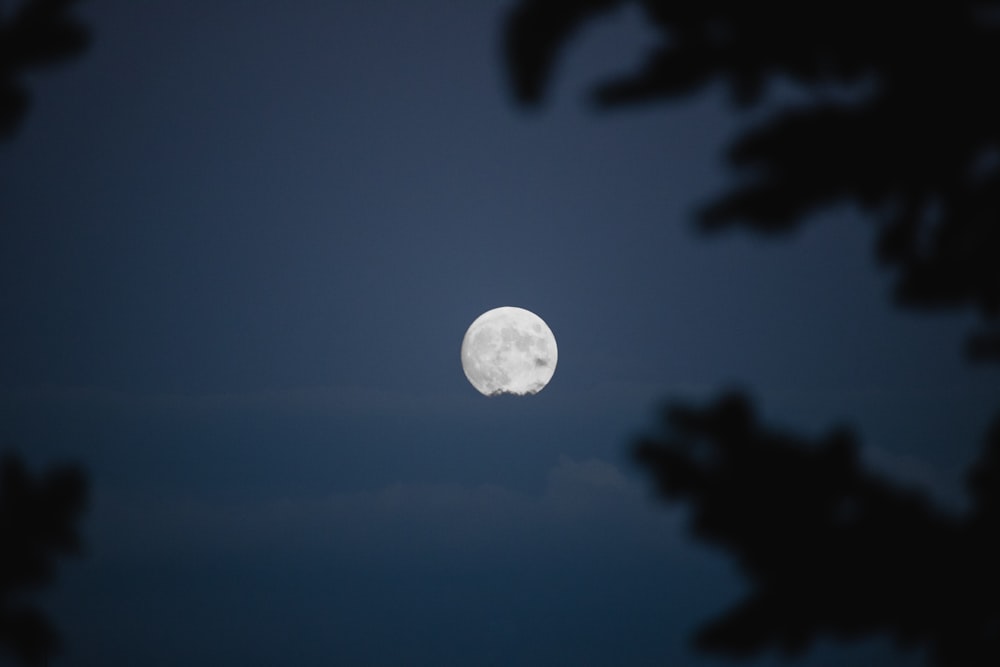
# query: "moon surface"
x,y
509,350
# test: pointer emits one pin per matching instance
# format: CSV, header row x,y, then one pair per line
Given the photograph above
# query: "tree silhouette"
x,y
829,547
37,515
39,33
37,522
920,151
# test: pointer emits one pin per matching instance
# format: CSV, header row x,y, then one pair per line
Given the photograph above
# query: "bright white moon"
x,y
509,350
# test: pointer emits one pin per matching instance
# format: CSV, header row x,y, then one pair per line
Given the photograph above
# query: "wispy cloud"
x,y
583,502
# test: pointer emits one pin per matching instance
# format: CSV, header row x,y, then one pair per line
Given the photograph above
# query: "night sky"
x,y
240,243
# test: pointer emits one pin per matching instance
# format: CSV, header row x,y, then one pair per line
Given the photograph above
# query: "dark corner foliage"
x,y
920,151
37,33
38,514
38,517
829,548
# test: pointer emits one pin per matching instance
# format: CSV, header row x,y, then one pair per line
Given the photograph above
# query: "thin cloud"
x,y
583,501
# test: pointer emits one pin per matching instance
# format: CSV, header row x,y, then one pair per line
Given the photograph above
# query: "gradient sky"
x,y
240,244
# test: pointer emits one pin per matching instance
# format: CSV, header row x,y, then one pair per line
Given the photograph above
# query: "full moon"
x,y
509,350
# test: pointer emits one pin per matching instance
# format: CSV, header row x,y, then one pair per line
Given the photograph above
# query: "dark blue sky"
x,y
240,245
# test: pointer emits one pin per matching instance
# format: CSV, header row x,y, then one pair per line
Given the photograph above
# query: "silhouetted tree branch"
x,y
39,33
37,515
920,151
38,519
830,548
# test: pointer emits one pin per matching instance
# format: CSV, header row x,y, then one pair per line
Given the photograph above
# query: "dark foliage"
x,y
920,151
830,548
38,517
39,33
